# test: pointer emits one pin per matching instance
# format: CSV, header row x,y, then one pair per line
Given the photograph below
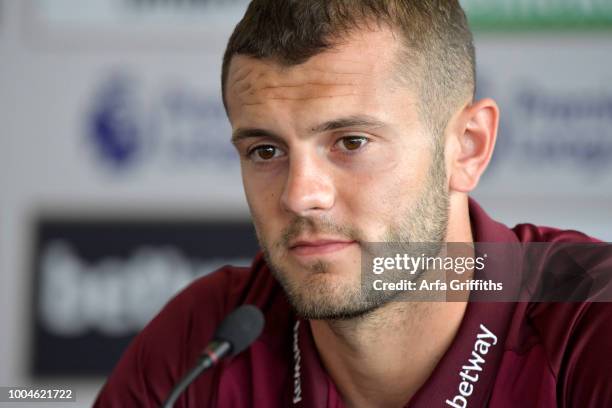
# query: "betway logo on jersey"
x,y
469,373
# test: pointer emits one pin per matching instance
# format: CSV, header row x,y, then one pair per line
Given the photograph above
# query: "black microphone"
x,y
236,332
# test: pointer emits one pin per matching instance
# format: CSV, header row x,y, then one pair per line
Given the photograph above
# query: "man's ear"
x,y
470,144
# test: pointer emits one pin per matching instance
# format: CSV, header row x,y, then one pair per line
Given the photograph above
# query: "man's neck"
x,y
382,359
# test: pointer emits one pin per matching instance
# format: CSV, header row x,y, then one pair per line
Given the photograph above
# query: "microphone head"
x,y
240,328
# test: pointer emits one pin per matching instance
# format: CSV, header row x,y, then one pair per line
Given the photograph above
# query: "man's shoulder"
x,y
204,303
572,271
556,354
570,332
231,286
527,232
172,341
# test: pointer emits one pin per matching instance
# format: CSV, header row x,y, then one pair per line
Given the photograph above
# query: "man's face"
x,y
333,156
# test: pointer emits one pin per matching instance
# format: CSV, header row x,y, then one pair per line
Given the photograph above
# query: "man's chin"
x,y
332,310
325,288
327,296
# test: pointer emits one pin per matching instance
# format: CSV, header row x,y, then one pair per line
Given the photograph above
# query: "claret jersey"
x,y
505,354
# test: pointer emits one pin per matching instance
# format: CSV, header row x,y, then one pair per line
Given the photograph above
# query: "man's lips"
x,y
319,247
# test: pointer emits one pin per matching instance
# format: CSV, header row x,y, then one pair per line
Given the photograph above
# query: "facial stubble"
x,y
321,296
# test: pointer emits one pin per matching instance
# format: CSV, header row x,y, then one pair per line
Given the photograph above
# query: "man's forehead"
x,y
364,51
363,59
251,79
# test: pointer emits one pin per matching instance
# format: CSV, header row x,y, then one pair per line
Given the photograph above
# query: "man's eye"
x,y
352,143
264,153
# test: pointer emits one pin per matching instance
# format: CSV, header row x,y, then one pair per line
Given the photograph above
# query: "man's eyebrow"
x,y
362,121
247,133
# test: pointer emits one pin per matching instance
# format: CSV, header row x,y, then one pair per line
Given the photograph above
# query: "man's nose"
x,y
309,188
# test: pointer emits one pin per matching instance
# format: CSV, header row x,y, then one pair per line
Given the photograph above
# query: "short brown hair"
x,y
435,35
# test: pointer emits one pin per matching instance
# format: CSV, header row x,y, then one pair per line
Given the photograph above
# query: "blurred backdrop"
x,y
118,184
